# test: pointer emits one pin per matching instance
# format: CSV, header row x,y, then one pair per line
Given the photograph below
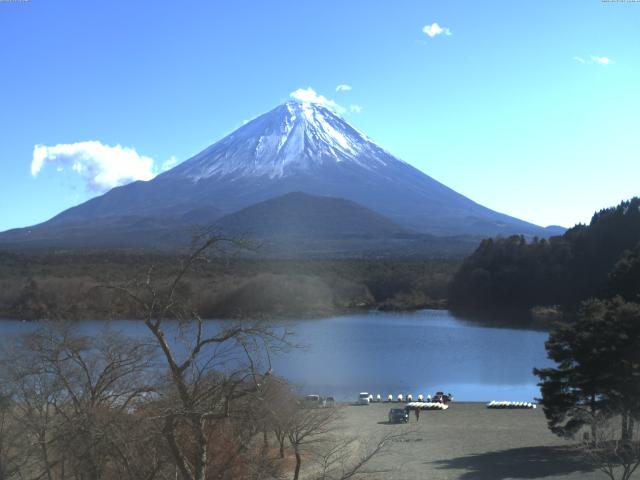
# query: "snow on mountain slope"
x,y
292,138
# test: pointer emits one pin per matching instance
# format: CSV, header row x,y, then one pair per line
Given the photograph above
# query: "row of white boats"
x,y
427,405
437,402
366,398
505,404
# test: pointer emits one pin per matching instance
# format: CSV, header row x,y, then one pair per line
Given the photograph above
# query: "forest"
x,y
600,260
69,286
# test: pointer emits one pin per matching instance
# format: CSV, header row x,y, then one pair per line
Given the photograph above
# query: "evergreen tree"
x,y
598,368
624,280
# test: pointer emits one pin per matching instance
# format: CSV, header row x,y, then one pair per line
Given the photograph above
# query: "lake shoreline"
x,y
282,315
497,318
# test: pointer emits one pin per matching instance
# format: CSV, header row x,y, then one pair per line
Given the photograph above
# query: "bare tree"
x,y
349,457
279,402
315,433
71,395
308,427
13,445
212,368
613,447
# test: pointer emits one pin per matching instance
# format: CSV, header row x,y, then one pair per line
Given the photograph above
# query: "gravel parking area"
x,y
468,441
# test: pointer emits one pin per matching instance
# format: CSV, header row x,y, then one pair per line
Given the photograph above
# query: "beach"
x,y
467,441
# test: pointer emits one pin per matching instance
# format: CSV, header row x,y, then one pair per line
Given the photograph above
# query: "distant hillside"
x,y
301,215
126,233
294,225
299,225
601,259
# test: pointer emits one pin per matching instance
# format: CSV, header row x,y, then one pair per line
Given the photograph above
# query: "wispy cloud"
x,y
100,166
355,108
343,87
601,60
434,30
168,164
309,95
579,59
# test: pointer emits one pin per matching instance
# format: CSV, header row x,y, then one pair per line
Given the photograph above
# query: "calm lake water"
x,y
417,352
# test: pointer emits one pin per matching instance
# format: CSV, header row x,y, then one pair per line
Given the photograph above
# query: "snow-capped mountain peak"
x,y
296,147
293,137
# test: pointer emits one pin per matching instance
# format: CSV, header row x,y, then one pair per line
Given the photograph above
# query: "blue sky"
x,y
530,108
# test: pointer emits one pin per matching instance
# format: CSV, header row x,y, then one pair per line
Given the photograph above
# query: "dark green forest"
x,y
71,285
601,260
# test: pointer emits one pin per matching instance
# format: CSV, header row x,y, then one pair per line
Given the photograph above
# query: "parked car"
x,y
312,401
330,402
398,415
441,397
364,398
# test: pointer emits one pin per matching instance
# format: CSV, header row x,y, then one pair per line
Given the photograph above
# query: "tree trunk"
x,y
625,433
594,427
280,436
201,450
296,473
45,453
179,458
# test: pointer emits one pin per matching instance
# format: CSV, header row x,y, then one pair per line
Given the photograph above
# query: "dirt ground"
x,y
468,441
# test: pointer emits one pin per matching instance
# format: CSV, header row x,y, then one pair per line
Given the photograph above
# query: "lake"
x,y
384,352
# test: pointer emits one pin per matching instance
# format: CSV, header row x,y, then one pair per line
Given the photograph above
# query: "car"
x,y
441,397
330,402
312,401
398,415
364,398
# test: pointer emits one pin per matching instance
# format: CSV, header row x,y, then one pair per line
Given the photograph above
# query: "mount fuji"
x,y
296,147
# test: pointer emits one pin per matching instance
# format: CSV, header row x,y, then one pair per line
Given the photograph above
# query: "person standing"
x,y
417,410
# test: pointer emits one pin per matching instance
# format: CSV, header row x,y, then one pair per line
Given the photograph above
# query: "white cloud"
x,y
100,166
343,88
168,164
309,95
579,59
434,30
601,60
355,108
